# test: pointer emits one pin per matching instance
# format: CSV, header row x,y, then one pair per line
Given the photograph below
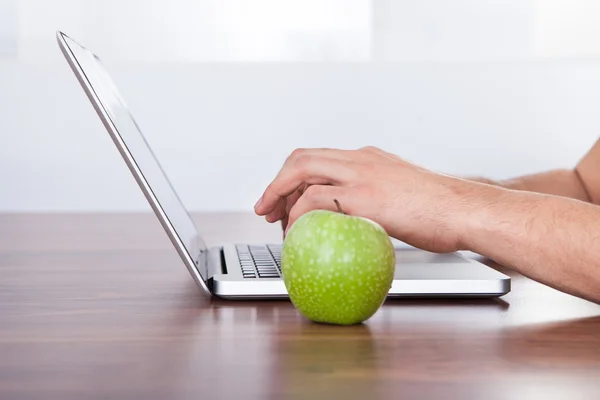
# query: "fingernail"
x,y
258,203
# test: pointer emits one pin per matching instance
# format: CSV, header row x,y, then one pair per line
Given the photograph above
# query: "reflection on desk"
x,y
90,310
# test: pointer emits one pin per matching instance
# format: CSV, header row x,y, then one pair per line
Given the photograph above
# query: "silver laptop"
x,y
242,271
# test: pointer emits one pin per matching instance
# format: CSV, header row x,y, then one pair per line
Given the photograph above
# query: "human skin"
x,y
544,226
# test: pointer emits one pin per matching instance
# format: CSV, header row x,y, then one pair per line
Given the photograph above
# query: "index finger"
x,y
304,169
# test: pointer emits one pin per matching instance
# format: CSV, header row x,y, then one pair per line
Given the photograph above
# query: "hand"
x,y
412,204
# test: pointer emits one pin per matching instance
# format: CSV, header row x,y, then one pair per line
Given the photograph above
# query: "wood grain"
x,y
100,306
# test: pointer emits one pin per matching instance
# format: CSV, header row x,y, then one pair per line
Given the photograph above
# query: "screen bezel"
x,y
196,258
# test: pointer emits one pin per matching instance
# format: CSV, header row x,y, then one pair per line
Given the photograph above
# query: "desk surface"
x,y
100,306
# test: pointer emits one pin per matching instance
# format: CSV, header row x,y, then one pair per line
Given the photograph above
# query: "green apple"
x,y
337,268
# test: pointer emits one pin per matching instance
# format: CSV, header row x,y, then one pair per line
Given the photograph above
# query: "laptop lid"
x,y
127,136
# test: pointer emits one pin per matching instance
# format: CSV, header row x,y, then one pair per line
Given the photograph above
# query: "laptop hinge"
x,y
215,261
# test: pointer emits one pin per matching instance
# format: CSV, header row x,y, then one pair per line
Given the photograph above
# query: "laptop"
x,y
243,270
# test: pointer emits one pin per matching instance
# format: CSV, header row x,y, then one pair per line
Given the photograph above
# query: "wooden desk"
x,y
100,306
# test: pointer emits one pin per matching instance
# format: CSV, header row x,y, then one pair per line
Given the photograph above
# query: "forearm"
x,y
551,239
563,182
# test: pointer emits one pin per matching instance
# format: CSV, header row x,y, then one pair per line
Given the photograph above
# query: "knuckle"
x,y
297,153
313,192
273,190
302,161
370,149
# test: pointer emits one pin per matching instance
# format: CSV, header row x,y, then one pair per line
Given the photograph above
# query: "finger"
x,y
278,212
319,197
284,205
289,203
300,154
312,170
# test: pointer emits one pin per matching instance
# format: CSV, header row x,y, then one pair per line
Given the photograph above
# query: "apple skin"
x,y
337,268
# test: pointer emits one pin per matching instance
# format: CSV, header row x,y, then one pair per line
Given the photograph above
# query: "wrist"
x,y
474,212
497,217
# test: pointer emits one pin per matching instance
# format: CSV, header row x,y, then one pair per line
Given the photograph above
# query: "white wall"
x,y
485,87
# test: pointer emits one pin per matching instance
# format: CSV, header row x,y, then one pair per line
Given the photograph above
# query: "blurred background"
x,y
225,89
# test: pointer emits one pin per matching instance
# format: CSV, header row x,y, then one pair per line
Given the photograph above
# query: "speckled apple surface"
x,y
337,268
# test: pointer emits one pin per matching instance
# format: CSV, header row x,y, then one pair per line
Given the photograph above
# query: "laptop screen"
x,y
134,148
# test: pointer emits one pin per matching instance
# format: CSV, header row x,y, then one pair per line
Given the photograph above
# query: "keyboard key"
x,y
269,275
268,272
269,269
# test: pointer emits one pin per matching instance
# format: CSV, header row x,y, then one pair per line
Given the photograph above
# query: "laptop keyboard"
x,y
260,261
